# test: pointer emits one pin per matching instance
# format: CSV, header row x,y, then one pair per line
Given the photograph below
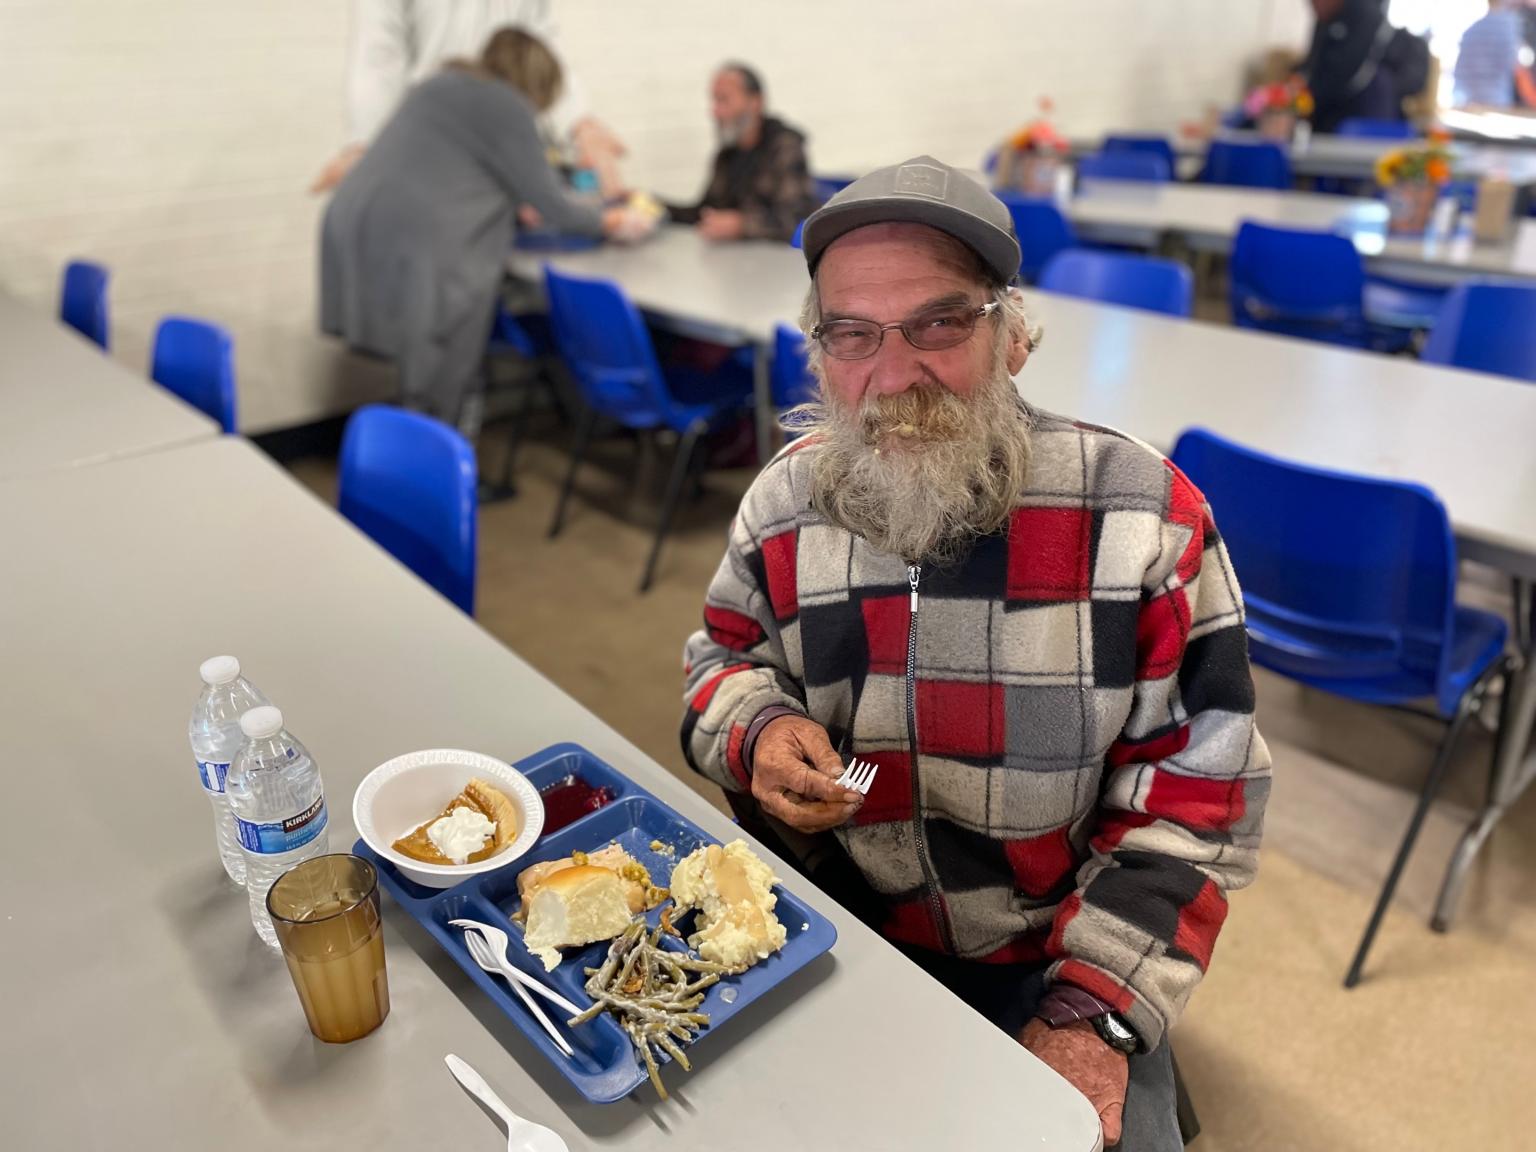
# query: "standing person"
x,y
1029,623
398,43
414,241
1346,66
760,184
1489,70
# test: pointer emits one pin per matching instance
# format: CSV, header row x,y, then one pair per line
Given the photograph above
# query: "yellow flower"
x,y
1304,103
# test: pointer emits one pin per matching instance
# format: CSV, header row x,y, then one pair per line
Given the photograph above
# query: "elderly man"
x,y
1030,624
760,185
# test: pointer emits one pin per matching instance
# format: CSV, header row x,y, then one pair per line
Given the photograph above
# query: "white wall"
x,y
174,139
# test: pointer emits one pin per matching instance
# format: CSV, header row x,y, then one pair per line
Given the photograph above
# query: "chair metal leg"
x,y
578,449
1509,728
682,466
516,423
1427,795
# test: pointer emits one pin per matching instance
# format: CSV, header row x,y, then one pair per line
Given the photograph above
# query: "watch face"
x,y
1118,1030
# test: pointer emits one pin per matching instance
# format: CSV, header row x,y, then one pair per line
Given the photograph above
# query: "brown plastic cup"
x,y
326,912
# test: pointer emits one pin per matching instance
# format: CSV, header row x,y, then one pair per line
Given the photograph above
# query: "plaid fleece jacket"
x,y
1069,768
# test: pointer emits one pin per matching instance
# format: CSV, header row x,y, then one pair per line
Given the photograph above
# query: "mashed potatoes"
x,y
732,889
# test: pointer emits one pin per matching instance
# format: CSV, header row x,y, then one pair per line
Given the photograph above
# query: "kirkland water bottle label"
x,y
283,836
213,774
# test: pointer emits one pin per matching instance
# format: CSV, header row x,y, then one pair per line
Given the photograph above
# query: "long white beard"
x,y
923,473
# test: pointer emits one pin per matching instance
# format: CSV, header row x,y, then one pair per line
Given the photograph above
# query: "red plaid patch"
x,y
1196,801
1114,829
704,695
1021,950
911,922
1199,922
1162,627
890,797
1049,550
1101,984
1123,752
886,621
955,718
732,630
733,760
1040,862
779,568
1187,506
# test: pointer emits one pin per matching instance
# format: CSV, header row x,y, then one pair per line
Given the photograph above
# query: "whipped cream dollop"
x,y
460,833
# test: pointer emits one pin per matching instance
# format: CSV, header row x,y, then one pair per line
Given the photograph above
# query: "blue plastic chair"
x,y
1350,587
409,482
798,239
1148,145
1043,231
522,338
1487,328
83,301
1258,165
196,360
1146,167
790,381
605,344
1145,282
1364,128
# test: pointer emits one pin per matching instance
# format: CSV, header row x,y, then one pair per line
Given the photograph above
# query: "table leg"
x,y
762,393
1514,764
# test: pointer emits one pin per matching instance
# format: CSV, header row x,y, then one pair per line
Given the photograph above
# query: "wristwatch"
x,y
1115,1032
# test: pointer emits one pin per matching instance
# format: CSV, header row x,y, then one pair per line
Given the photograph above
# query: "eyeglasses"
x,y
930,330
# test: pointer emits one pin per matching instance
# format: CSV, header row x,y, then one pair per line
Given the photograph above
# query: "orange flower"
x,y
1304,103
1438,170
1439,136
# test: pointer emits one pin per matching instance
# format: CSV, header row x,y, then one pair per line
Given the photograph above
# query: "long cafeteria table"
x,y
1465,435
64,402
141,1009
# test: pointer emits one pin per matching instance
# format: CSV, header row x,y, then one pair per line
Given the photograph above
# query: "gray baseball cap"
x,y
923,191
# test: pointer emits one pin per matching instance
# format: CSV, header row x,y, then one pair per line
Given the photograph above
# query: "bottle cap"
x,y
218,670
259,723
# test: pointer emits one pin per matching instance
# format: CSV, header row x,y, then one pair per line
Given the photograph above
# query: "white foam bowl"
x,y
401,794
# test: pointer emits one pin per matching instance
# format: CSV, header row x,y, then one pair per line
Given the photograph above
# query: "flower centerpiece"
x,y
1276,108
1029,160
1412,178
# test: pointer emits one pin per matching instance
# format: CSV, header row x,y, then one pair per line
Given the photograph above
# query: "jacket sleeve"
x,y
1181,811
737,665
786,194
521,165
379,71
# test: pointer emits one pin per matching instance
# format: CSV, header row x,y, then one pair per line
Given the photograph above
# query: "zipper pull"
x,y
914,574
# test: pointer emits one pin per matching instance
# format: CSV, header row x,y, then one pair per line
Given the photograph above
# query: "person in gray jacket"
x,y
415,238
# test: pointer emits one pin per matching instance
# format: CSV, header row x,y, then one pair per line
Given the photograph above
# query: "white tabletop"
x,y
739,290
1209,216
141,1011
1466,435
64,402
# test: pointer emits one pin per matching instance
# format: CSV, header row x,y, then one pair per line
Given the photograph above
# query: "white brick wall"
x,y
174,139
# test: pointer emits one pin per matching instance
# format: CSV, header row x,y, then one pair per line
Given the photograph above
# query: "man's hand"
x,y
334,172
1086,1062
717,224
794,774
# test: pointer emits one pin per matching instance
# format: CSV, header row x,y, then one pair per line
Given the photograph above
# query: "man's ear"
x,y
1018,346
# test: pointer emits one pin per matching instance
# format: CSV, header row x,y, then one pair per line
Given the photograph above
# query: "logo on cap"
x,y
921,180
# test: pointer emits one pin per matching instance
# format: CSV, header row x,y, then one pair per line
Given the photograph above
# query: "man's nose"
x,y
895,366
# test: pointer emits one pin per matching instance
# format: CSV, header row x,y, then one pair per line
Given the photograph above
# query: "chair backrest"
x,y
1119,278
1258,165
790,381
604,342
1362,127
1306,284
1149,145
409,482
1487,328
798,239
1043,230
1344,577
83,301
196,360
1147,167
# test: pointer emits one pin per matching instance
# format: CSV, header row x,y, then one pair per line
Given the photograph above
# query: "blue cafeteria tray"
x,y
606,1066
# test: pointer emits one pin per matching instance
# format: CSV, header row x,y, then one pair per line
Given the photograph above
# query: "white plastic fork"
x,y
860,776
499,942
483,956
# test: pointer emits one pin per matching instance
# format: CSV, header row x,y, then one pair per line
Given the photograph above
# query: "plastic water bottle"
x,y
279,807
215,734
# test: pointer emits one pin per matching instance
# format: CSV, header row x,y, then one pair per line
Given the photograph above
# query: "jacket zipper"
x,y
930,883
